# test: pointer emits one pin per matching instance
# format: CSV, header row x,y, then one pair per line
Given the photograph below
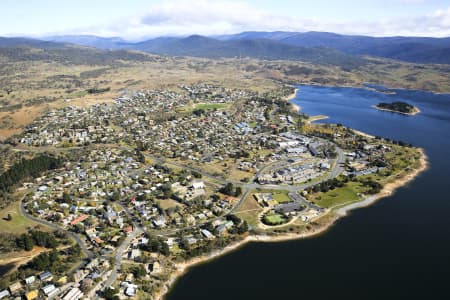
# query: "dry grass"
x,y
169,203
250,211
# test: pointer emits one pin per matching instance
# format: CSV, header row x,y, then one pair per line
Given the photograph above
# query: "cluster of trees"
x,y
54,261
139,156
27,241
208,246
198,112
46,261
399,106
27,168
98,90
230,190
7,242
240,226
375,187
400,143
157,244
325,186
240,154
138,271
110,294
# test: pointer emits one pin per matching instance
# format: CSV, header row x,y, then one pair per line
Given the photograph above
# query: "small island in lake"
x,y
398,107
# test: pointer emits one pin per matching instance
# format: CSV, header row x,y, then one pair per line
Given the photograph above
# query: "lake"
x,y
398,248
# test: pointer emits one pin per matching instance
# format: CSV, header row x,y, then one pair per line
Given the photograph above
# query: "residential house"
x,y
31,295
73,294
15,287
4,294
30,280
45,276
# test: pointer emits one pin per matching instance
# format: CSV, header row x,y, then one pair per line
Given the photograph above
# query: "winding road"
x,y
77,239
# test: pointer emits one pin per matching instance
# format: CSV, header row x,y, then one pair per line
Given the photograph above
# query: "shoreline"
x,y
362,86
313,119
291,97
415,112
388,190
363,133
183,268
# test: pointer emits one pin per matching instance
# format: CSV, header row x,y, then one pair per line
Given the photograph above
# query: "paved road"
x,y
119,253
137,230
77,239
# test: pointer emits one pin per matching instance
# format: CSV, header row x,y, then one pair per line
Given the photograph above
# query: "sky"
x,y
140,19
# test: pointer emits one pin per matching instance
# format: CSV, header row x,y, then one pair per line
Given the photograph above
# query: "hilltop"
x,y
297,45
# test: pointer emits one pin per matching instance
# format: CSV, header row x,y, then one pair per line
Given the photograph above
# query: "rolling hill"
x,y
25,49
411,49
200,46
267,45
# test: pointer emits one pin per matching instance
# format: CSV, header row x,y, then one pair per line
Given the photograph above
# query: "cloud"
x,y
183,17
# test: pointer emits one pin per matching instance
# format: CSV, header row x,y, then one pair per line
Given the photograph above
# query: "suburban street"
x,y
137,230
74,236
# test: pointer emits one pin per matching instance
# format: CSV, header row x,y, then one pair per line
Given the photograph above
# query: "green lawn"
x,y
207,106
338,196
18,224
274,219
281,197
252,124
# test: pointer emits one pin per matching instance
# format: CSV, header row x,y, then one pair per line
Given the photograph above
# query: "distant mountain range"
x,y
316,47
26,49
411,49
256,44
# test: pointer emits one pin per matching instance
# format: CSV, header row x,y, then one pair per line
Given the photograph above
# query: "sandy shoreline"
x,y
387,190
292,96
312,119
363,133
417,110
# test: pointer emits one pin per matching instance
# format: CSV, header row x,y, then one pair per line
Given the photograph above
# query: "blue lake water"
x,y
398,248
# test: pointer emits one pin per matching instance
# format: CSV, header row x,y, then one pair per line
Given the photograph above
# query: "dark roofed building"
x,y
288,207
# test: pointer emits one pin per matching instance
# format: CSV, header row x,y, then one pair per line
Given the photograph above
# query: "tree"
x,y
25,242
167,190
165,250
235,219
110,294
66,197
184,244
115,196
228,189
139,271
243,228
